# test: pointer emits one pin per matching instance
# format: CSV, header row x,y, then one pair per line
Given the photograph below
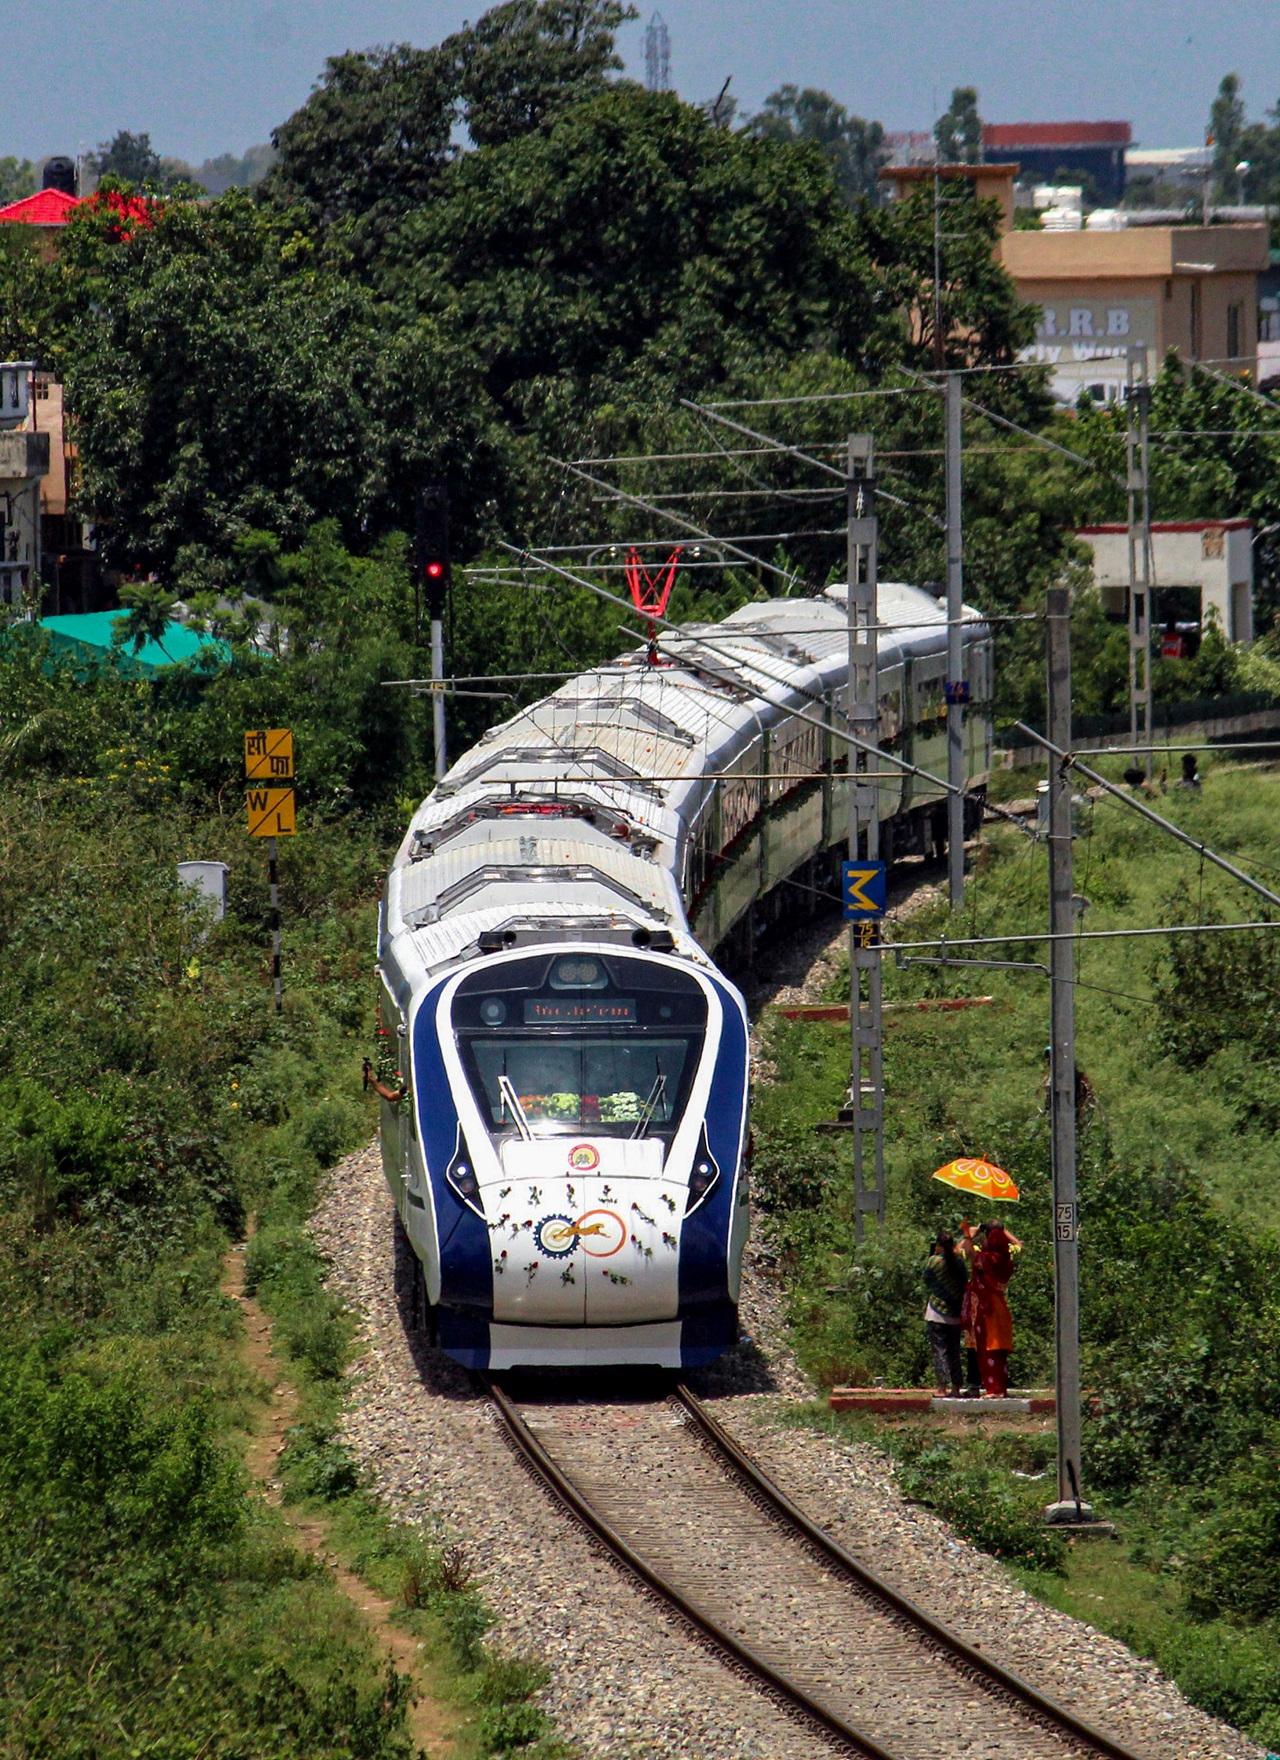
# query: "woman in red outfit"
x,y
992,1260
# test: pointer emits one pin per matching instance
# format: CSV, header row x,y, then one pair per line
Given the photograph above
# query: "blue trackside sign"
x,y
863,890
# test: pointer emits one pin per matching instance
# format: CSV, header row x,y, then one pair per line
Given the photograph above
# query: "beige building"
x,y
24,462
1102,287
1193,289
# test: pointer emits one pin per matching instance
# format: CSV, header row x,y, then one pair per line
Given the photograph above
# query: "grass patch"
x,y
1178,1165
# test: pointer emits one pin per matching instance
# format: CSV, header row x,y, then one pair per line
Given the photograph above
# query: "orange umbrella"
x,y
983,1178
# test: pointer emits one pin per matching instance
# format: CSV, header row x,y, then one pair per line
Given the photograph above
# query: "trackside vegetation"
x,y
150,1103
1178,1172
468,265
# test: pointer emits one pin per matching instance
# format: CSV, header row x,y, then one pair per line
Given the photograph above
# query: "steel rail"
x,y
956,1647
563,1487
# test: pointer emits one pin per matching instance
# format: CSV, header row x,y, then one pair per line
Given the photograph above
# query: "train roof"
x,y
622,760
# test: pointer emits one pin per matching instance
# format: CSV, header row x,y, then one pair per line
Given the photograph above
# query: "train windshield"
x,y
574,1044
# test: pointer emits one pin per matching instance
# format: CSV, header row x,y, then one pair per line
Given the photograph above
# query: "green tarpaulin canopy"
x,y
91,635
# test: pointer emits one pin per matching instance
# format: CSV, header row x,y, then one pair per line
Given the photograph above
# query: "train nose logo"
x,y
602,1233
583,1158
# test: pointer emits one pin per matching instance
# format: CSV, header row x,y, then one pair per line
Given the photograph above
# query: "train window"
x,y
610,1084
606,1050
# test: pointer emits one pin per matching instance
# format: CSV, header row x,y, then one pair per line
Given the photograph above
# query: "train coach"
x,y
566,1137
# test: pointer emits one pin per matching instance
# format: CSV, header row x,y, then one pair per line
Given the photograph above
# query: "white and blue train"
x,y
568,1152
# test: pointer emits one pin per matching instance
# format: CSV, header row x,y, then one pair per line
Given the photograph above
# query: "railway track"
x,y
681,1504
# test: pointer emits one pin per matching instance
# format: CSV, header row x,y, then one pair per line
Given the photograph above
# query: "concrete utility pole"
x,y
1137,482
866,1081
1062,1070
955,648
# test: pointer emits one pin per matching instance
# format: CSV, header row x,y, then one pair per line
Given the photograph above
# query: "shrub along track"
x,y
682,1505
430,1724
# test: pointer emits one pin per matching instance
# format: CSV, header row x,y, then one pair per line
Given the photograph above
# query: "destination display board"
x,y
567,1011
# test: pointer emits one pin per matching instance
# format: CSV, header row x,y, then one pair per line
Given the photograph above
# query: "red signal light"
x,y
434,570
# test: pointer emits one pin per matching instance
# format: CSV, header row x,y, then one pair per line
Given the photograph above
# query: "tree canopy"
x,y
370,142
630,238
17,179
958,131
527,60
218,378
853,148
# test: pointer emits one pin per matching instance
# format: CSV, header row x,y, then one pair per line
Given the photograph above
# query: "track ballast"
x,y
682,1505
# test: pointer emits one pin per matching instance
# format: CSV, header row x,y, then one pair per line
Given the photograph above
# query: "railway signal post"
x,y
866,1080
432,575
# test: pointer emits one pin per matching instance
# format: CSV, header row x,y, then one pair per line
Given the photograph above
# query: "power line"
x,y
736,682
812,397
671,518
1206,854
945,941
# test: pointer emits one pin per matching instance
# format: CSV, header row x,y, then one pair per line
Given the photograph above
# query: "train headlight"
x,y
579,972
703,1174
493,1011
461,1175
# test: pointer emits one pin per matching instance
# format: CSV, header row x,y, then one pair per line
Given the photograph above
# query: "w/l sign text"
x,y
271,812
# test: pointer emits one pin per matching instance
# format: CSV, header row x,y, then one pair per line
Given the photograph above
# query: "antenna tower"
x,y
657,55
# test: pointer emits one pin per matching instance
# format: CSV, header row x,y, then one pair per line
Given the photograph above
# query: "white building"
x,y
1199,566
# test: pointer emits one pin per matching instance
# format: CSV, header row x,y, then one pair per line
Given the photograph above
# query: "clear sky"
x,y
209,76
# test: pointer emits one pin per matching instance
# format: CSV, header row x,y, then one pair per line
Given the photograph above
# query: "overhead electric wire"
x,y
1146,812
812,397
945,941
672,518
736,682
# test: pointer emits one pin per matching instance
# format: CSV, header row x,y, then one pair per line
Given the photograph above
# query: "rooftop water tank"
x,y
59,173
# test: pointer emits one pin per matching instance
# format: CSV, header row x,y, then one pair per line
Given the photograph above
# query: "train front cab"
x,y
582,1115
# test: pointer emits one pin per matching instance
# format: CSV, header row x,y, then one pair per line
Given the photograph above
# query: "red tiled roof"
x,y
1011,135
48,207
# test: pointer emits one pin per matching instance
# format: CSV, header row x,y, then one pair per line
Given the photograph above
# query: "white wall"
x,y
1215,559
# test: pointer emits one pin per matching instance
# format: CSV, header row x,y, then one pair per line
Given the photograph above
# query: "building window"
x,y
1197,328
1235,312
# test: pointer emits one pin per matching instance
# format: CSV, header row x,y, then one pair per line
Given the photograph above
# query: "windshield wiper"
x,y
511,1103
650,1106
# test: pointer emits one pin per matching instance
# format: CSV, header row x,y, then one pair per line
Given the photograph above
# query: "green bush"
x,y
503,1729
978,1503
314,1464
1231,1674
1231,1561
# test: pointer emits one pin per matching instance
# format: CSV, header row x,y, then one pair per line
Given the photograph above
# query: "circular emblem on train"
x,y
555,1236
583,1158
602,1233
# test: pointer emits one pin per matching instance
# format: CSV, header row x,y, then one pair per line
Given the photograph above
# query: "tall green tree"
x,y
526,60
853,148
17,179
219,379
371,141
1226,126
130,157
969,313
958,131
632,243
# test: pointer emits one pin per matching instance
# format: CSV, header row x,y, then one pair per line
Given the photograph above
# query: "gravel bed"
x,y
627,1682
